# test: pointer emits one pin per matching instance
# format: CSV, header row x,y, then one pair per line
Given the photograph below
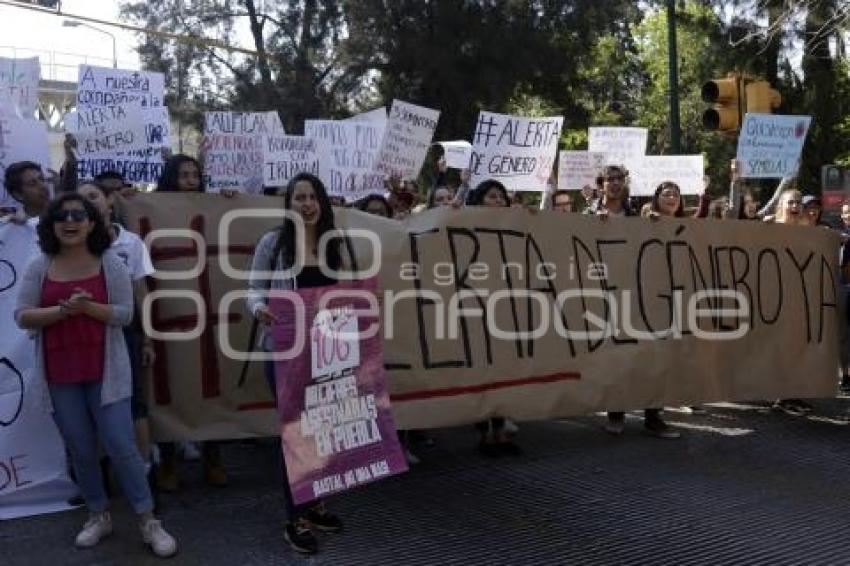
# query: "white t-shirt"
x,y
131,249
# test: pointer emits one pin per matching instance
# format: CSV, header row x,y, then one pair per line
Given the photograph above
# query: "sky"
x,y
60,48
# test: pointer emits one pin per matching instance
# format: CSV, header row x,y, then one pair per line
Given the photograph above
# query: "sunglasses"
x,y
74,215
614,178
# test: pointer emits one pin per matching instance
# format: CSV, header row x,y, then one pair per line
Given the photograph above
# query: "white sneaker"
x,y
511,427
97,526
162,543
190,451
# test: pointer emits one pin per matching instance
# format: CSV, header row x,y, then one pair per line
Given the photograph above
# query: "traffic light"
x,y
726,96
761,98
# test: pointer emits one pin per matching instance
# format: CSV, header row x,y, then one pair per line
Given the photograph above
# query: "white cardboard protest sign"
x,y
33,477
407,138
457,153
770,146
377,115
105,86
108,129
515,150
286,156
577,169
348,151
620,145
687,171
233,149
21,140
138,166
19,84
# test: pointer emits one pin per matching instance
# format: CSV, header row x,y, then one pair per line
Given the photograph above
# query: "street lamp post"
x,y
75,24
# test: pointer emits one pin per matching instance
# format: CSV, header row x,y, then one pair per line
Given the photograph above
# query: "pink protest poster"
x,y
336,427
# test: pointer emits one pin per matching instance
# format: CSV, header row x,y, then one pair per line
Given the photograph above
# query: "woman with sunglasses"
x,y
76,297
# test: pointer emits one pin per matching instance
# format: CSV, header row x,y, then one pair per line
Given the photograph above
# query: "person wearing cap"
x,y
812,210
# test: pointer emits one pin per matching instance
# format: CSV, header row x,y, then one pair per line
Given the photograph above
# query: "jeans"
x,y
293,511
82,421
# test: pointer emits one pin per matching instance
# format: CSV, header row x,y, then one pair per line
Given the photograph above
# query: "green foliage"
x,y
595,62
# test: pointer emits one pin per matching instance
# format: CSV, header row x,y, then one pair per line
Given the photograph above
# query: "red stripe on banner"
x,y
482,387
258,406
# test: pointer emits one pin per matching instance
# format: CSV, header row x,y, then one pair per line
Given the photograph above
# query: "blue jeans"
x,y
293,511
82,421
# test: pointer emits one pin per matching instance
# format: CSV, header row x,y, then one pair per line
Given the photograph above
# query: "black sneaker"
x,y
324,521
509,449
845,384
300,538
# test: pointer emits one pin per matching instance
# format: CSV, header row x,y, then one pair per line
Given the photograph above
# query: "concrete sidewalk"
x,y
744,485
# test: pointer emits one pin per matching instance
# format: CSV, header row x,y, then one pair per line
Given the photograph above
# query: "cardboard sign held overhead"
x,y
577,169
104,86
286,156
457,153
406,139
770,146
687,171
621,146
108,130
515,150
233,149
19,84
348,152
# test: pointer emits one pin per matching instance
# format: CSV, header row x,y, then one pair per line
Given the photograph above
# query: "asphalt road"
x,y
744,485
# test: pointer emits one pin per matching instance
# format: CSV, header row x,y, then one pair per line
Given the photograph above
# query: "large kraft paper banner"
x,y
628,269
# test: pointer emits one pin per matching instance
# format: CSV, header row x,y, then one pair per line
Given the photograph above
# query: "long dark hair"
x,y
742,215
656,205
168,181
476,196
363,204
333,258
98,240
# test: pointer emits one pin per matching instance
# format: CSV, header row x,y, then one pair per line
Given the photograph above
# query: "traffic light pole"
x,y
673,66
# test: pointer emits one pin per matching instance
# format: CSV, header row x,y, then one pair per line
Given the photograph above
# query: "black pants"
x,y
293,511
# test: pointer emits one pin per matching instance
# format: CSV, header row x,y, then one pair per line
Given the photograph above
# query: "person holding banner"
x,y
307,197
183,173
76,297
613,183
667,201
494,438
789,210
375,204
613,186
562,201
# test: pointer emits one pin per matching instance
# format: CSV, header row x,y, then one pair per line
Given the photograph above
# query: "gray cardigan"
x,y
117,382
259,287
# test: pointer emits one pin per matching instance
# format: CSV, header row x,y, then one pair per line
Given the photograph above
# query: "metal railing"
x,y
58,65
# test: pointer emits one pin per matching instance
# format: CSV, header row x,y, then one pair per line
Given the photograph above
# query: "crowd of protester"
x,y
77,297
